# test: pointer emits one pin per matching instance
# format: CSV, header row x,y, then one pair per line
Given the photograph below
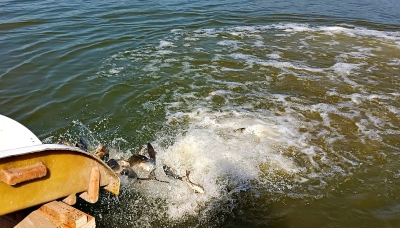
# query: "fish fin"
x,y
150,151
152,174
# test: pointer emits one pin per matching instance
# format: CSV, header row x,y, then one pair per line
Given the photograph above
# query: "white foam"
x,y
393,109
191,39
230,69
293,27
351,32
374,119
241,56
394,62
199,49
205,33
345,68
283,65
231,43
259,43
356,98
151,68
250,29
176,30
274,55
164,52
115,70
218,157
171,60
164,43
227,42
216,57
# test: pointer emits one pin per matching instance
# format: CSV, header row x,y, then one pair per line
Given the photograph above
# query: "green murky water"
x,y
316,85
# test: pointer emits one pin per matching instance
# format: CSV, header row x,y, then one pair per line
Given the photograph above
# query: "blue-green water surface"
x,y
315,84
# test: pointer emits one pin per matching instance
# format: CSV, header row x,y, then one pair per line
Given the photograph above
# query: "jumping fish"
x,y
124,167
102,152
121,167
170,172
145,163
150,165
137,159
81,144
197,188
64,142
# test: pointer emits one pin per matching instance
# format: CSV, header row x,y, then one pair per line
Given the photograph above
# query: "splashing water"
x,y
315,102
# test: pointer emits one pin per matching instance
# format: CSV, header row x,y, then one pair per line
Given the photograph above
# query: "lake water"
x,y
315,84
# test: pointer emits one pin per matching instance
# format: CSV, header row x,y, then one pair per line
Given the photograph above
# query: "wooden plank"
x,y
92,194
57,215
38,219
14,176
70,200
65,214
91,222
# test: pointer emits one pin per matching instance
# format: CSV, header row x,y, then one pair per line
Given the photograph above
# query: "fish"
x,y
117,165
124,167
142,162
170,172
129,172
64,142
147,166
102,152
137,159
121,167
240,130
145,163
152,176
197,188
81,145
